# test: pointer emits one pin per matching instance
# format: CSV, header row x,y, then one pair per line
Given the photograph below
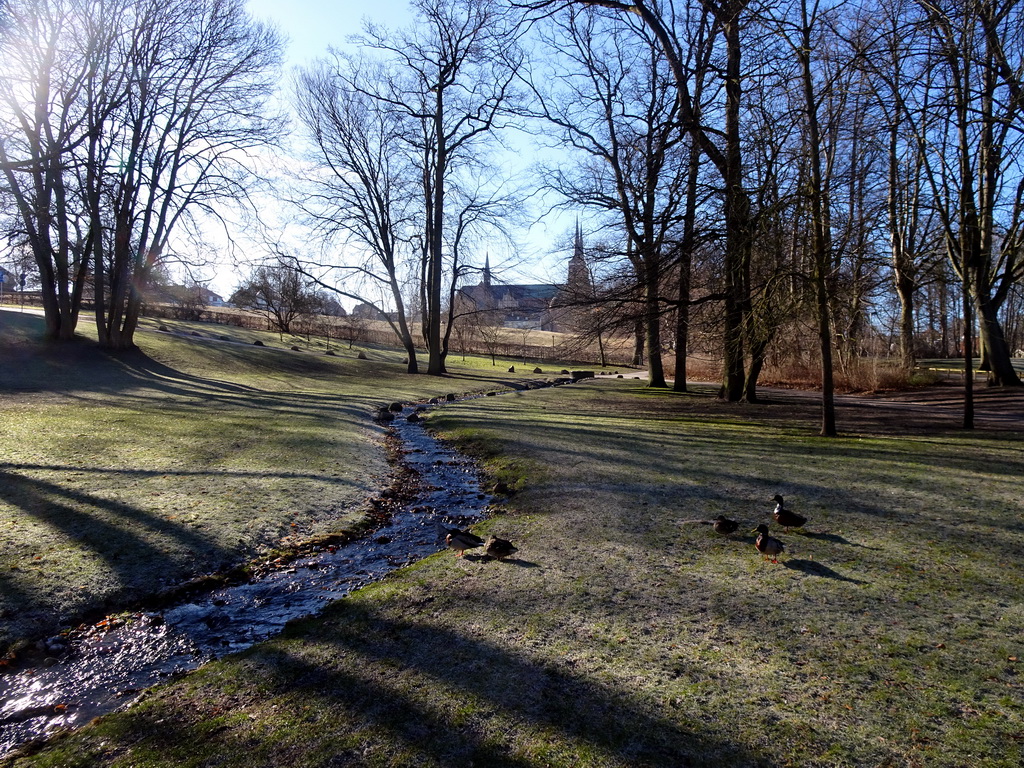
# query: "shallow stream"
x,y
110,666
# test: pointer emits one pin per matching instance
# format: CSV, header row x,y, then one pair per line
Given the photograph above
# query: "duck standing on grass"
x,y
767,545
724,525
460,541
499,549
785,517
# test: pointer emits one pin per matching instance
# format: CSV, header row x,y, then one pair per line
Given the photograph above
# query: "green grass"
x,y
122,475
628,633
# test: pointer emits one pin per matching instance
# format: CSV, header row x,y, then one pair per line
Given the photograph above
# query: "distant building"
x,y
366,311
544,306
212,299
179,294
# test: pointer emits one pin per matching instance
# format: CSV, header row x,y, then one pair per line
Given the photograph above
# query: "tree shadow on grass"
x,y
38,499
814,568
835,538
512,561
74,370
119,534
412,693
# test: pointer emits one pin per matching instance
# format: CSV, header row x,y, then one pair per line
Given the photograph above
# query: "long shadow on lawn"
x,y
74,369
38,499
225,474
835,538
143,370
814,568
436,696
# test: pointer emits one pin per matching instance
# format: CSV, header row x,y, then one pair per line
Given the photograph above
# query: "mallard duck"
x,y
724,525
767,545
499,548
786,518
460,541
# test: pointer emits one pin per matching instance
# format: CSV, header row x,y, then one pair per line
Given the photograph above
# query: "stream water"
x,y
109,667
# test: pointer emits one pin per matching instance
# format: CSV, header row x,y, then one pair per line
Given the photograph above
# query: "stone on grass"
x,y
258,343
361,356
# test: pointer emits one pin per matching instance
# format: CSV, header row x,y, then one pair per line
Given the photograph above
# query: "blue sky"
x,y
312,26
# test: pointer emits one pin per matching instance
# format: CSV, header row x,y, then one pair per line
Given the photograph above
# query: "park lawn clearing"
x,y
122,476
626,632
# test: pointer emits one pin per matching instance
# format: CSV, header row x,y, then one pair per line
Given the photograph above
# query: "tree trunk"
x,y
652,319
639,342
996,353
686,269
758,354
737,218
968,362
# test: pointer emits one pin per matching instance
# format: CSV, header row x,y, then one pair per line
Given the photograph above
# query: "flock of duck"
x,y
767,545
460,540
770,548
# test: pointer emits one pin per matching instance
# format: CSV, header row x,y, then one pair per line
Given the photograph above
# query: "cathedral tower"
x,y
578,282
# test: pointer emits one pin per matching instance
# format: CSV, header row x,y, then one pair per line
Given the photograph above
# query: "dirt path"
x,y
939,407
935,408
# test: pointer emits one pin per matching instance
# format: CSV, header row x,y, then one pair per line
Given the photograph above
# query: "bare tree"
x,y
363,189
454,74
279,293
203,72
123,121
721,143
615,105
57,85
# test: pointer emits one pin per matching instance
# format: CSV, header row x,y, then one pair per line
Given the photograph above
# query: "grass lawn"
x,y
123,475
629,634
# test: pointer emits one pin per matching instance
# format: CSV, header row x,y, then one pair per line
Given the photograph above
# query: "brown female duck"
x,y
499,549
724,525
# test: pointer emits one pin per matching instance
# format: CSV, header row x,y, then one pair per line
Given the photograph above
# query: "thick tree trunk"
x,y
652,319
905,291
737,218
1000,368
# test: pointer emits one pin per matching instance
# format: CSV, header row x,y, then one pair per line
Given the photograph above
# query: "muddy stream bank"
x,y
107,667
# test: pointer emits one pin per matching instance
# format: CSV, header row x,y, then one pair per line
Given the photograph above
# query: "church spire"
x,y
578,281
487,271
